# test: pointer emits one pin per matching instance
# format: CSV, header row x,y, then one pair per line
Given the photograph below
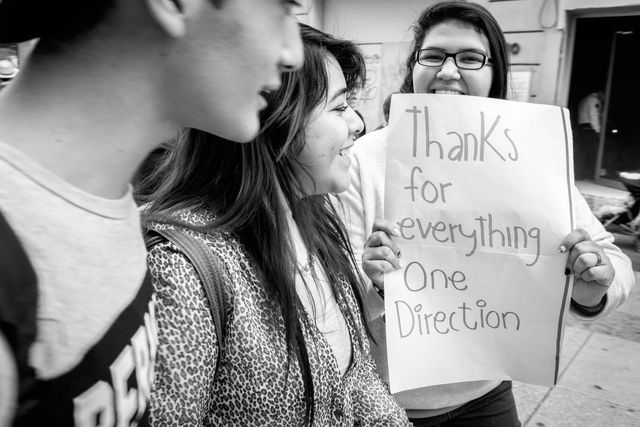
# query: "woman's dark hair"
x,y
240,183
471,14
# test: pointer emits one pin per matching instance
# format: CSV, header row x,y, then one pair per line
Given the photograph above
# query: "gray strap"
x,y
210,269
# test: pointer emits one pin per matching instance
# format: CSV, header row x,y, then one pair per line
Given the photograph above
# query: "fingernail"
x,y
396,232
562,249
400,264
567,271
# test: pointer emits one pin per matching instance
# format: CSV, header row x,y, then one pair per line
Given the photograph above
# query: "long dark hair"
x,y
240,182
475,16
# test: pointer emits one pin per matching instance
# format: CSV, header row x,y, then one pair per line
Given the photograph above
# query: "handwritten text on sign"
x,y
480,190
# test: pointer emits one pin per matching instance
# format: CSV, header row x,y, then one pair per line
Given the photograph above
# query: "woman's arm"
x,y
187,341
609,272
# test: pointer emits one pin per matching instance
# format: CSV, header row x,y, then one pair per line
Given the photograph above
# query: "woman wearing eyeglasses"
x,y
459,49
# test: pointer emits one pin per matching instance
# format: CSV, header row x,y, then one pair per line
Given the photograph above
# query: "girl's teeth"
x,y
447,92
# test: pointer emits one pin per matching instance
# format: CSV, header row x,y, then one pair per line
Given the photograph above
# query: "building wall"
x,y
312,13
539,32
372,21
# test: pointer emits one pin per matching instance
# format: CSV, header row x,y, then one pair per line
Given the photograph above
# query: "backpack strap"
x,y
208,266
18,299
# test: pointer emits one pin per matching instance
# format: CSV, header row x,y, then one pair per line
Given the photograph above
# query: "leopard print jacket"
x,y
256,384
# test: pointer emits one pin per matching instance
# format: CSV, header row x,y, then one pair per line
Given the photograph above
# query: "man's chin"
x,y
243,131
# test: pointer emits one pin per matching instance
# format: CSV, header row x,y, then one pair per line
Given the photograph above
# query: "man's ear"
x,y
168,14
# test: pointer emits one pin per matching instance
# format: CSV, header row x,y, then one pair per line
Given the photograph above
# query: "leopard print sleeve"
x,y
373,404
187,341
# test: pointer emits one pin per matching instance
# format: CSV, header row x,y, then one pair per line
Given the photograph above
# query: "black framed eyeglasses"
x,y
466,59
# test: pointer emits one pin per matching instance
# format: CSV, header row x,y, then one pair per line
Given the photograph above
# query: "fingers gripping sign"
x,y
591,267
381,254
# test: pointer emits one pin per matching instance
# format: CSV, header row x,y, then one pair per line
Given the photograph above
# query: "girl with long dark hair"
x,y
295,350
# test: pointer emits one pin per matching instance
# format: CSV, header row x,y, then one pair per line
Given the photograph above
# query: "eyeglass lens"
x,y
468,60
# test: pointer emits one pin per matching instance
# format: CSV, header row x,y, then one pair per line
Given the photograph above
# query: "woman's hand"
x,y
591,267
380,254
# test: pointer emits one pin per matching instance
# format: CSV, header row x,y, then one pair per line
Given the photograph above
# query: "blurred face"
x,y
331,132
227,59
453,37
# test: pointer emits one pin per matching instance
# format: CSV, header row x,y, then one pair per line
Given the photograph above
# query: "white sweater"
x,y
363,203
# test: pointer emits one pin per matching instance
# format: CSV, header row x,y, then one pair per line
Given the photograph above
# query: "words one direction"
x,y
416,319
465,146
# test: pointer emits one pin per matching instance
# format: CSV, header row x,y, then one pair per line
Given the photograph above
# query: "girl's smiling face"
x,y
330,133
454,36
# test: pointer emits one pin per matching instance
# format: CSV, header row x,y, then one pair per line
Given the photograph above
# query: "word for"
x,y
429,191
482,233
413,321
467,146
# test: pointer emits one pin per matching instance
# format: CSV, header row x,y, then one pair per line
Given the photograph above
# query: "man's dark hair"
x,y
22,20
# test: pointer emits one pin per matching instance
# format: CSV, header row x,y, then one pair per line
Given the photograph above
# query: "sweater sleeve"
x,y
374,405
187,341
8,383
351,208
624,278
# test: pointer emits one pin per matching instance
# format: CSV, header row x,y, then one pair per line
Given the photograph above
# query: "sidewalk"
x,y
599,383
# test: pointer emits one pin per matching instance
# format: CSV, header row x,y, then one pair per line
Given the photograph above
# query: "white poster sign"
x,y
480,190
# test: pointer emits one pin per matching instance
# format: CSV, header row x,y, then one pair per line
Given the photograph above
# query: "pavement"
x,y
599,381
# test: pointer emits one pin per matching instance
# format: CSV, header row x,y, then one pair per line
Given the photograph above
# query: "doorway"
x,y
604,63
